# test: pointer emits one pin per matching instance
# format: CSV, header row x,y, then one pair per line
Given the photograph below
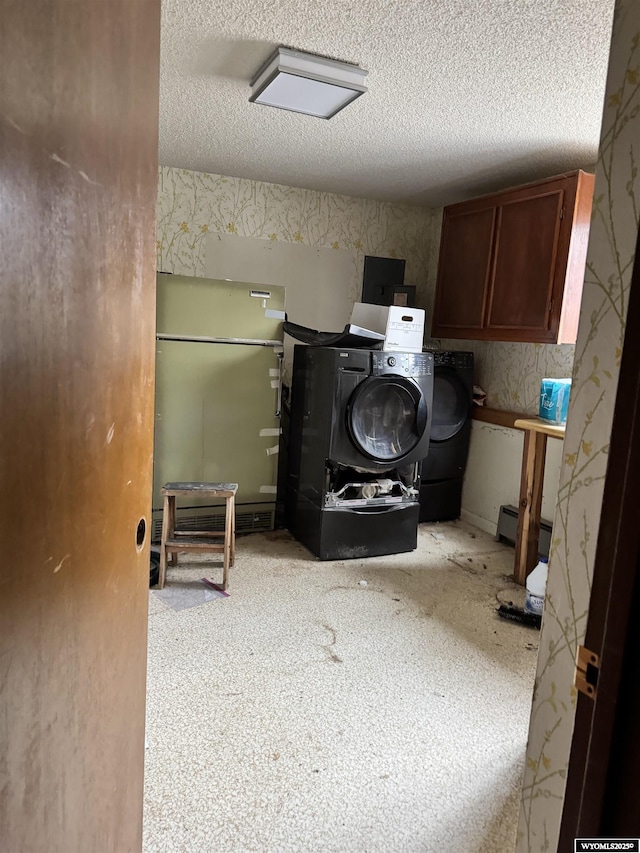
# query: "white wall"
x,y
493,474
304,272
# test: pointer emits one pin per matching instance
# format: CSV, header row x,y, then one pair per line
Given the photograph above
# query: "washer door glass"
x,y
450,404
387,417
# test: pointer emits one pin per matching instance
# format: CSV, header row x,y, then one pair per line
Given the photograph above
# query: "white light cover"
x,y
304,83
303,95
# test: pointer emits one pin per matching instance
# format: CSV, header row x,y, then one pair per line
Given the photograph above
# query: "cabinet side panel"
x,y
575,274
465,256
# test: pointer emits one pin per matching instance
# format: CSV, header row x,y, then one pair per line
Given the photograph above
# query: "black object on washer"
x,y
359,428
443,469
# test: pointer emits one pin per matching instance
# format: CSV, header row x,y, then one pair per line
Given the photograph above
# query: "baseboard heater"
x,y
508,529
247,521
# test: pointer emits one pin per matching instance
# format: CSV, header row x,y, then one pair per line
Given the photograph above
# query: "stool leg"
x,y
163,548
173,556
226,550
233,530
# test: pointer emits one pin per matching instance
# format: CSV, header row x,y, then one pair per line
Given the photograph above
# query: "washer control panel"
x,y
409,364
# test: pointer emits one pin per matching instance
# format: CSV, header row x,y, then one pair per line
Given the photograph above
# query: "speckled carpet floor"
x,y
340,707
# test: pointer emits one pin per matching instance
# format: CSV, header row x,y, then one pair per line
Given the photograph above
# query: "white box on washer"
x,y
402,327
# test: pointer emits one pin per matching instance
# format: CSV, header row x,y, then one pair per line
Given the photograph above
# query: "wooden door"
x,y
603,779
463,271
78,163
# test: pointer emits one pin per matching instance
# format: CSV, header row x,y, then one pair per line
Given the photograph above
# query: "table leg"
x,y
533,457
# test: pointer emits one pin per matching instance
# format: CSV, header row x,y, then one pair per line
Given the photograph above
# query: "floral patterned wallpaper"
x,y
595,376
194,204
510,373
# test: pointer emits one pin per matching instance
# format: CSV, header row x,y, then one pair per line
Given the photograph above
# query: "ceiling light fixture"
x,y
306,83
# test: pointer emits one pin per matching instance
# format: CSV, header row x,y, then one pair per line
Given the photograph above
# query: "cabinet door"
x,y
524,269
512,264
463,272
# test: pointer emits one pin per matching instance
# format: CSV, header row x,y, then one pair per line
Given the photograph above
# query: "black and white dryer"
x,y
359,428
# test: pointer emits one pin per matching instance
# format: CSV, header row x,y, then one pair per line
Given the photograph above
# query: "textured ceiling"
x,y
463,97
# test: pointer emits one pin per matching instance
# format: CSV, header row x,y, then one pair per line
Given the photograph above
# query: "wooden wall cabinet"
x,y
512,264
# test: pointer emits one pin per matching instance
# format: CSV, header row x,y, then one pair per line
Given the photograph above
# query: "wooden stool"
x,y
174,541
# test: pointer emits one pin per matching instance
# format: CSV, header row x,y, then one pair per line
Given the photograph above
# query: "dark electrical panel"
x,y
383,282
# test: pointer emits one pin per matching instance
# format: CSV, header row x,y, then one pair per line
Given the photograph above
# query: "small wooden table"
x,y
536,432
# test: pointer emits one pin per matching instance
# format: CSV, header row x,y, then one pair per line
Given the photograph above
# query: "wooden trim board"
x,y
497,417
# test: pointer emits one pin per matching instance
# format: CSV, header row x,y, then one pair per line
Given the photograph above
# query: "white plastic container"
x,y
536,586
403,328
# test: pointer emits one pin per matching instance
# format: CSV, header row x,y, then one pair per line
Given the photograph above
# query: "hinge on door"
x,y
550,305
587,668
562,213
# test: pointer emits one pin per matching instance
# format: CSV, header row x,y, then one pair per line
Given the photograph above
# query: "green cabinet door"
x,y
211,308
215,418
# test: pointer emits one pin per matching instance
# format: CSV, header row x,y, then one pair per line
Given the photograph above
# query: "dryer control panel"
x,y
410,364
453,358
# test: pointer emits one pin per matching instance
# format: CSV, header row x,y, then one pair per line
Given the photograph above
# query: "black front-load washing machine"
x,y
359,428
443,469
